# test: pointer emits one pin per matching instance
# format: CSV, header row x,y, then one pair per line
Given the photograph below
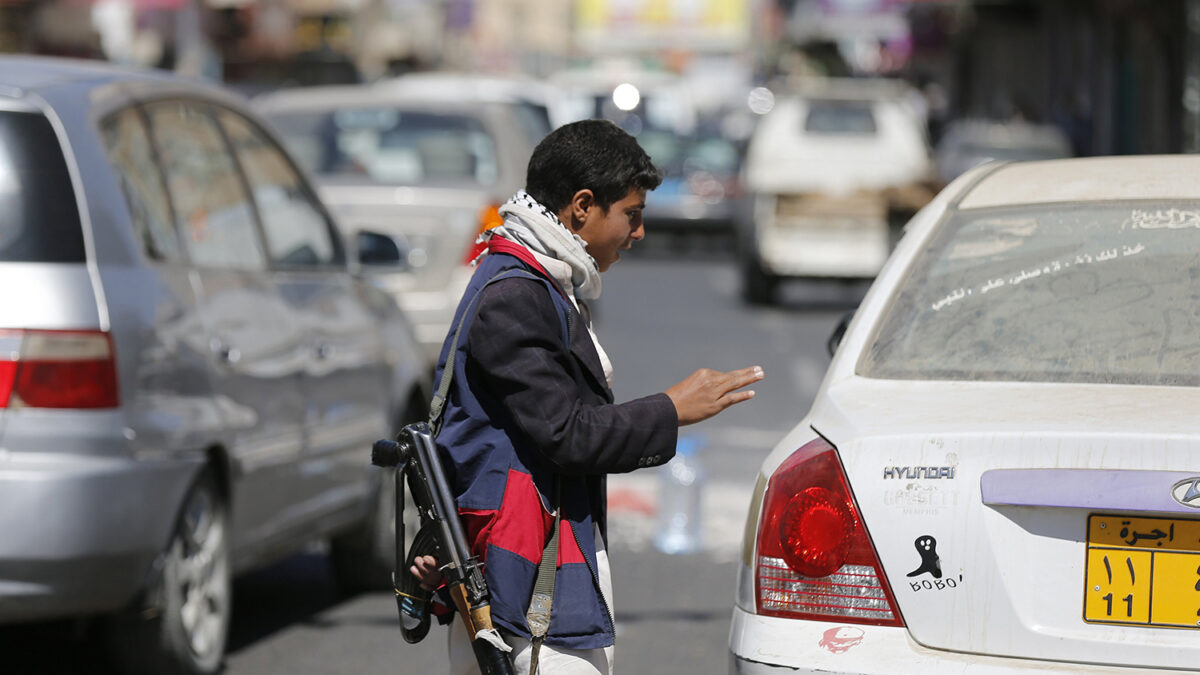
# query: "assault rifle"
x,y
414,455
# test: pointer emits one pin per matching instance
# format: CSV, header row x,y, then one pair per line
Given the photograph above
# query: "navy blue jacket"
x,y
523,407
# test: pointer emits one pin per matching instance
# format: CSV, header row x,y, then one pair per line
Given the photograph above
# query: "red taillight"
x,y
815,532
815,559
489,217
57,369
8,374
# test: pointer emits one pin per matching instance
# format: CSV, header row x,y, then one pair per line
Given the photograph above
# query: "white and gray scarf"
x,y
538,229
560,251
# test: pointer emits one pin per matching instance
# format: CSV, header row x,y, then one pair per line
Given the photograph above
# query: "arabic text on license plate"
x,y
1142,571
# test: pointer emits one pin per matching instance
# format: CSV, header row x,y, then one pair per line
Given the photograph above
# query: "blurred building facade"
x,y
1118,76
296,41
310,41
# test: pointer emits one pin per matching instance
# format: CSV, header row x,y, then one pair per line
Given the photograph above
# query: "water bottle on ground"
x,y
679,508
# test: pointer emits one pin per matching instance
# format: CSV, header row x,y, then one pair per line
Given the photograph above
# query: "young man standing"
x,y
530,427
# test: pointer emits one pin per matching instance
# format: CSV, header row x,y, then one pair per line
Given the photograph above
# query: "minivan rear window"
x,y
848,118
39,220
391,146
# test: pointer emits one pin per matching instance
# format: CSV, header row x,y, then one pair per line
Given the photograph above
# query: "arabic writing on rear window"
x,y
1099,293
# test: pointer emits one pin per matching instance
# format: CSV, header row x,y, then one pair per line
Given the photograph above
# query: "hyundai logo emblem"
x,y
1187,492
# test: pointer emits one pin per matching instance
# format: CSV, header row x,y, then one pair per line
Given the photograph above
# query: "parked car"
x,y
191,377
427,160
970,142
829,170
998,473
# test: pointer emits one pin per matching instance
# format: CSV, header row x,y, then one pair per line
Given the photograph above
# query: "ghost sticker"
x,y
842,638
927,547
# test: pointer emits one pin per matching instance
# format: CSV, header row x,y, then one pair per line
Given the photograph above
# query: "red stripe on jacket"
x,y
514,527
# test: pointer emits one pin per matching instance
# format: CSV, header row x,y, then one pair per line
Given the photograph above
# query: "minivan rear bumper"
x,y
81,532
850,247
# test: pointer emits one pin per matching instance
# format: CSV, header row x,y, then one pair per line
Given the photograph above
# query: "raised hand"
x,y
706,392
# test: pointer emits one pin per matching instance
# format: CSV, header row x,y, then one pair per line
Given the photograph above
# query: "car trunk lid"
x,y
439,224
992,505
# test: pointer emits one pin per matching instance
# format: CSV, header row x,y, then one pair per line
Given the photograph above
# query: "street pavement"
x,y
661,317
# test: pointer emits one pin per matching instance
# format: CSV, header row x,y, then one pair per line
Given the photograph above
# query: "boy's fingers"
x,y
745,376
734,397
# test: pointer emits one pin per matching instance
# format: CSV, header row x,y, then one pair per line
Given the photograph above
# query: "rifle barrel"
x,y
442,494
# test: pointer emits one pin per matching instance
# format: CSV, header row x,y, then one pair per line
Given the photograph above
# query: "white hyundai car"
x,y
1001,470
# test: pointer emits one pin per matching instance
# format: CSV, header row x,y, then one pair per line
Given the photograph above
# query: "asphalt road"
x,y
663,315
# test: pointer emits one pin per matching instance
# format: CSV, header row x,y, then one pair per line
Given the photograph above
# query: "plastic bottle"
x,y
679,508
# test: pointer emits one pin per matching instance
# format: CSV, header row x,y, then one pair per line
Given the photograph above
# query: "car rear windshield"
x,y
849,118
386,145
534,119
1059,293
677,155
39,220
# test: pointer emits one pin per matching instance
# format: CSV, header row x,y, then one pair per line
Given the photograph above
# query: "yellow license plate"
x,y
1142,571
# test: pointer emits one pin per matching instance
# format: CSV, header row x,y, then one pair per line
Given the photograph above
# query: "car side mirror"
x,y
839,331
381,252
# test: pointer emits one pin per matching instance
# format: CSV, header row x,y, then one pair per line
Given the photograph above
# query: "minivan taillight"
x,y
57,369
815,559
489,217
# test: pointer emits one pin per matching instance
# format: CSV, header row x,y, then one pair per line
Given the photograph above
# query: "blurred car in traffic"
x,y
539,105
998,473
827,170
700,168
700,186
191,377
427,159
631,96
970,142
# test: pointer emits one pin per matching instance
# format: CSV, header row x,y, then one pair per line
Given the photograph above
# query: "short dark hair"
x,y
594,155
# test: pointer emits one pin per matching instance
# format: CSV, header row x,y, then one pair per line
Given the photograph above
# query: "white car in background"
x,y
826,170
632,97
540,105
426,159
1001,470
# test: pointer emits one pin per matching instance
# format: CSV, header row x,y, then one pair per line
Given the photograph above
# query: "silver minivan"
x,y
191,371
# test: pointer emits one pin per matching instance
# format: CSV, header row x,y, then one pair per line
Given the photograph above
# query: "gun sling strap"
x,y
438,404
538,615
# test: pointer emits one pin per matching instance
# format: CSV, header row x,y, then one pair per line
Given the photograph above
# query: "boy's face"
x,y
607,233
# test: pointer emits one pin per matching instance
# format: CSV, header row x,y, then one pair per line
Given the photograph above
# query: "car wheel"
x,y
362,559
758,285
182,628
